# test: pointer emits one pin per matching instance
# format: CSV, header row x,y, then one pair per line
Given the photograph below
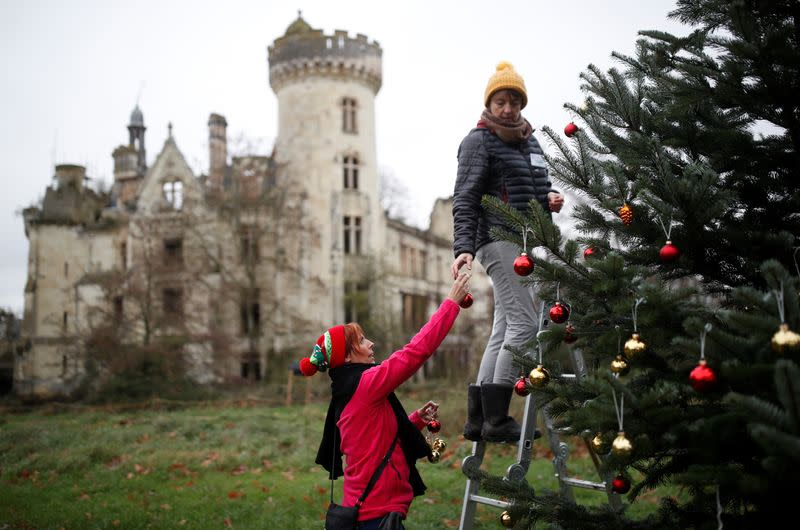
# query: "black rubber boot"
x,y
472,429
498,426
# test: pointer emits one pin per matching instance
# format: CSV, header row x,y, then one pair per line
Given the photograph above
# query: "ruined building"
x,y
236,269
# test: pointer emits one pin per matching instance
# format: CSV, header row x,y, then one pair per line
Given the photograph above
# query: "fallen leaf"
x,y
235,494
287,475
240,470
228,522
230,425
84,497
116,522
166,507
182,522
267,464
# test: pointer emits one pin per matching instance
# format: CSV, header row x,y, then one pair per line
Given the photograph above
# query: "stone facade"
x,y
253,259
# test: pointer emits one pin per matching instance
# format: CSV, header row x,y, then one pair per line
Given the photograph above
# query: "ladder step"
x,y
580,483
488,500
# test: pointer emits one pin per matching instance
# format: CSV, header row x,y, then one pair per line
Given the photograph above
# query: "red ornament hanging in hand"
x,y
559,313
434,426
523,265
669,252
570,129
620,484
588,252
467,301
703,378
521,387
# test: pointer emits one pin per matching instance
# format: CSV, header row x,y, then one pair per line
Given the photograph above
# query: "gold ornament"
x,y
435,456
506,520
626,214
619,365
621,445
785,339
634,346
539,377
439,445
599,444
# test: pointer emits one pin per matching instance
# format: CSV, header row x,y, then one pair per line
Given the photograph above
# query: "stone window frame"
x,y
349,107
172,190
350,170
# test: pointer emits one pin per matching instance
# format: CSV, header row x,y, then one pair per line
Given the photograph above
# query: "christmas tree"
x,y
685,162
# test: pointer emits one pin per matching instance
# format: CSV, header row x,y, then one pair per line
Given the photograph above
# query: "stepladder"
x,y
517,472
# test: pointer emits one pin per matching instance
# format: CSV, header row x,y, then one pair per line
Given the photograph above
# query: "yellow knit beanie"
x,y
505,77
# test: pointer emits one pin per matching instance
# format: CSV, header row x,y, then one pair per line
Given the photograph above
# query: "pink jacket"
x,y
368,425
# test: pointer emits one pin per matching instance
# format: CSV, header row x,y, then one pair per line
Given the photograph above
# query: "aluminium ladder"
x,y
516,472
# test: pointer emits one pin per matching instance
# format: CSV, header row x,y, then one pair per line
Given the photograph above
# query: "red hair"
x,y
352,337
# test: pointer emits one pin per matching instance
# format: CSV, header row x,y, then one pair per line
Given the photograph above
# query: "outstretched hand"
x,y
429,411
460,287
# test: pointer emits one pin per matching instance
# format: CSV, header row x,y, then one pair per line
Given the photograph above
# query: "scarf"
x,y
511,132
344,382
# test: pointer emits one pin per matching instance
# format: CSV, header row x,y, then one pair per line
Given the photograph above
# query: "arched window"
x,y
350,172
173,193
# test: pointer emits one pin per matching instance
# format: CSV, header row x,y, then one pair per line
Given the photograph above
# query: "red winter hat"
x,y
328,352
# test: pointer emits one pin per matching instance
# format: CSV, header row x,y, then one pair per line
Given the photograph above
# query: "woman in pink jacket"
x,y
364,415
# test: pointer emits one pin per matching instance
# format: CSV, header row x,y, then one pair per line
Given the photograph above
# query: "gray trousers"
x,y
516,320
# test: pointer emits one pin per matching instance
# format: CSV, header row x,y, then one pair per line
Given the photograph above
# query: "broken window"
x,y
173,193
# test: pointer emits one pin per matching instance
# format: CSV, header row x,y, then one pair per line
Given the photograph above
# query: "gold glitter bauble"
x,y
435,456
785,339
599,444
539,377
506,520
634,346
439,445
621,445
619,365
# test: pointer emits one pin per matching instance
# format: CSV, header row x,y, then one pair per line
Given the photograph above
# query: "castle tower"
x,y
326,87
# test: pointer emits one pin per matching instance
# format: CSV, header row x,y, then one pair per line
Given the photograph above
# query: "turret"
x,y
136,130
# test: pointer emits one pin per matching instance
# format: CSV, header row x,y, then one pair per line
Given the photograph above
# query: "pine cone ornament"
x,y
626,214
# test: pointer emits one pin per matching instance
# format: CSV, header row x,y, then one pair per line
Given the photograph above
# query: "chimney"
x,y
217,150
126,173
70,175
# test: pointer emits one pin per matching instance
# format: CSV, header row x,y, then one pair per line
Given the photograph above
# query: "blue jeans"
x,y
516,317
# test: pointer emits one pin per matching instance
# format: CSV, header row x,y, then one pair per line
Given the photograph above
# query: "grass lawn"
x,y
228,464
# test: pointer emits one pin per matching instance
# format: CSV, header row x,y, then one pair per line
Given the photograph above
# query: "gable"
x,y
169,179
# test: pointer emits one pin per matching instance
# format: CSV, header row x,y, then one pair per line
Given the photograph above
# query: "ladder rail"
x,y
516,472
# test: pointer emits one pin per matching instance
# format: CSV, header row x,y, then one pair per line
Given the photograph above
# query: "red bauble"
x,y
434,426
467,301
702,378
569,334
523,265
620,484
570,129
559,313
521,387
669,252
589,252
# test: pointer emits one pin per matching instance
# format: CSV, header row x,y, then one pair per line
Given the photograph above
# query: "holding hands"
x,y
460,287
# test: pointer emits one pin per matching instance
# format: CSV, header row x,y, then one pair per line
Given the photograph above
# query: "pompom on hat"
x,y
505,77
328,352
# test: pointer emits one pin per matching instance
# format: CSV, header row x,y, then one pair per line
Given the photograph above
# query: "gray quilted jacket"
x,y
515,173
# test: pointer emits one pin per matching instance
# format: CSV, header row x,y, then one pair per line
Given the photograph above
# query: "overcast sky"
x,y
74,69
